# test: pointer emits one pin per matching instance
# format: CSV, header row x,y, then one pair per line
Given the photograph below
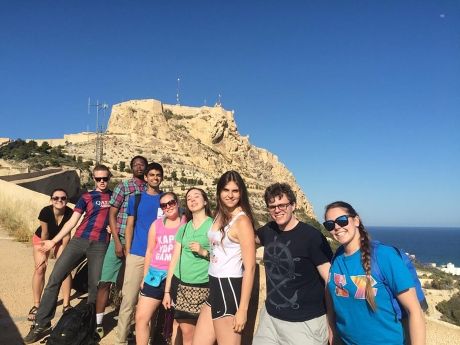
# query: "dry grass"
x,y
16,218
19,209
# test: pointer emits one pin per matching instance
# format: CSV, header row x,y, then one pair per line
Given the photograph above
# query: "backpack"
x,y
80,278
400,313
398,309
137,201
77,326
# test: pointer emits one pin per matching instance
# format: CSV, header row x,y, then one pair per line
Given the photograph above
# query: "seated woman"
x,y
52,219
157,257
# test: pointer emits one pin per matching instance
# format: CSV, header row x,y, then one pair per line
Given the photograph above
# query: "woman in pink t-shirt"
x,y
160,246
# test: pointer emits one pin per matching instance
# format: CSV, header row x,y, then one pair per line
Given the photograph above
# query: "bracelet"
x,y
208,256
166,292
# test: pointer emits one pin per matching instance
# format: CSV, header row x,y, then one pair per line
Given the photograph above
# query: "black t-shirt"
x,y
47,215
295,289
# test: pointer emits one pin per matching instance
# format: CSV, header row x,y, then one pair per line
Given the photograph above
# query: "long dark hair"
x,y
207,207
221,210
365,246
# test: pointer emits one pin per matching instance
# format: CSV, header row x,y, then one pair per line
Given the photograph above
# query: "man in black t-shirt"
x,y
297,260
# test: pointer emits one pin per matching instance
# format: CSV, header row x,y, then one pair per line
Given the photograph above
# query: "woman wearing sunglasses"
x,y
360,309
190,261
161,240
232,265
52,218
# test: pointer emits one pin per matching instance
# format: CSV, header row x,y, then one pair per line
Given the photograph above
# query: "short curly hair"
x,y
277,190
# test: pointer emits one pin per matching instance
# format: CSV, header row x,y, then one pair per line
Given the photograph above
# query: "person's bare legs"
x,y
146,306
38,278
176,337
225,334
66,284
103,292
187,328
204,329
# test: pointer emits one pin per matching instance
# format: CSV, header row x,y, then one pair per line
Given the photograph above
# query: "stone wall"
x,y
45,182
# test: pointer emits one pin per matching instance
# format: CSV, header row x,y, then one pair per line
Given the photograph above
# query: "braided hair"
x,y
365,246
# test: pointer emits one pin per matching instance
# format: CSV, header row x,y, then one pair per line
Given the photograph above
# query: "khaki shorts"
x,y
273,331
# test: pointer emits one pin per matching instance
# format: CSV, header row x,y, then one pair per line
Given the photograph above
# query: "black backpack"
x,y
77,326
80,278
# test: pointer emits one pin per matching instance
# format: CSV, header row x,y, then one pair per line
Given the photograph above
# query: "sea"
x,y
429,245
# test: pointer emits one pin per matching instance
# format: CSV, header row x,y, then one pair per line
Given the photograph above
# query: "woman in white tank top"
x,y
232,265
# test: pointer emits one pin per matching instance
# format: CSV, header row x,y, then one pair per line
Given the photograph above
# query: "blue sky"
x,y
359,99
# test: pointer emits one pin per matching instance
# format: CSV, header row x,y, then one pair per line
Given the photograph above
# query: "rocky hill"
x,y
194,144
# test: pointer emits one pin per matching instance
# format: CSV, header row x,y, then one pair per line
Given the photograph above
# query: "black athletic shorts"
x,y
224,296
156,292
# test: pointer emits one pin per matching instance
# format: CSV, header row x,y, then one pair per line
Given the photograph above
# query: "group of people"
x,y
200,265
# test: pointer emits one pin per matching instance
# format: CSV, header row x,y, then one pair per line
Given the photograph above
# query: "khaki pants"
x,y
134,273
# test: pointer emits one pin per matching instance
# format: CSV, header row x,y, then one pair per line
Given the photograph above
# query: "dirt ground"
x,y
16,266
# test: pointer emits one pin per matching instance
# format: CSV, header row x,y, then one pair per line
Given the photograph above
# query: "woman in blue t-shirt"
x,y
360,309
52,218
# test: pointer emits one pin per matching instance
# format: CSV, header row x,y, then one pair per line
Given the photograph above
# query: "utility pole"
x,y
99,131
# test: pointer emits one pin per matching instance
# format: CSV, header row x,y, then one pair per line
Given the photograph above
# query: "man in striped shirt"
x,y
91,239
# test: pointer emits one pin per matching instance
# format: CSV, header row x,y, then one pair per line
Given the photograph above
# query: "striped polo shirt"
x,y
95,205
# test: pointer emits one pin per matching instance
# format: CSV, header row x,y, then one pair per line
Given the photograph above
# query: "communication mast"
x,y
177,92
99,130
219,101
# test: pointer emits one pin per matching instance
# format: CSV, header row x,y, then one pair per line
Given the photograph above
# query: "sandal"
x,y
66,307
32,313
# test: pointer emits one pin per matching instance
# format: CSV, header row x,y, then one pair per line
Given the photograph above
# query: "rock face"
x,y
194,145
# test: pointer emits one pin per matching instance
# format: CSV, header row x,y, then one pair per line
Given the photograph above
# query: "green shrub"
x,y
122,166
442,283
450,309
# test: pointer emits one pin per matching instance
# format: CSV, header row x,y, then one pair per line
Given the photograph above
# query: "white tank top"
x,y
225,260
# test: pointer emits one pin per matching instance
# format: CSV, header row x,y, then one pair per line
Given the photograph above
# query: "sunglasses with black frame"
x,y
340,221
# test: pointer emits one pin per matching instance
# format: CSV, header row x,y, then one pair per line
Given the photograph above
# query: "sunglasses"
x,y
340,221
170,203
99,179
59,198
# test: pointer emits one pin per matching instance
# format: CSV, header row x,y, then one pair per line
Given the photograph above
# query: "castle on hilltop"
x,y
192,143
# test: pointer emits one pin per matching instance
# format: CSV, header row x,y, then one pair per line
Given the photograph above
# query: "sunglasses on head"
x,y
340,221
170,203
99,179
57,198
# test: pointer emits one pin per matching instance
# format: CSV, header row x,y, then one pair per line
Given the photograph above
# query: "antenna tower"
x,y
99,130
177,93
219,101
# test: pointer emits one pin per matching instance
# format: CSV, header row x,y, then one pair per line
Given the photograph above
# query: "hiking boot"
x,y
37,332
100,331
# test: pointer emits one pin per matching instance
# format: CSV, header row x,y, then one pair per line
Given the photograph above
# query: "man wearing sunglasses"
x,y
141,214
297,260
90,240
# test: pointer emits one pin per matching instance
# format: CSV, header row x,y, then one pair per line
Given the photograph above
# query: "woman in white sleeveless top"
x,y
232,265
